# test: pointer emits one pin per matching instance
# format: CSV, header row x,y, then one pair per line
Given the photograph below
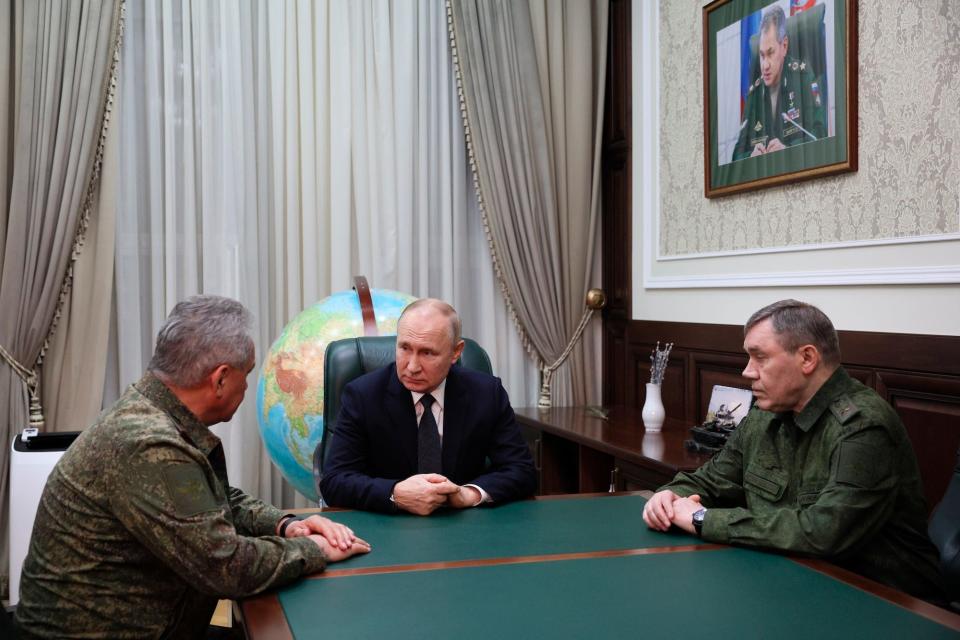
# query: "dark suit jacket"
x,y
374,445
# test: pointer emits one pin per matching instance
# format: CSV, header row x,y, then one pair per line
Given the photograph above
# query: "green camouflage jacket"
x,y
138,532
839,480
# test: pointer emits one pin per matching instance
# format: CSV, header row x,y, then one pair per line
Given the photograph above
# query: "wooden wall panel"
x,y
930,409
866,376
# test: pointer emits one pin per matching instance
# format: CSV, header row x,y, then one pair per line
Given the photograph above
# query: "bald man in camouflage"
x,y
138,532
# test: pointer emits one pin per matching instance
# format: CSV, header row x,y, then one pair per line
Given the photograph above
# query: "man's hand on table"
x,y
464,498
666,508
423,493
658,512
683,510
336,554
336,534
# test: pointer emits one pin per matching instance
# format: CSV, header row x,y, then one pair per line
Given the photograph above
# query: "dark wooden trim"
x,y
853,85
597,494
490,562
911,604
615,192
705,72
263,617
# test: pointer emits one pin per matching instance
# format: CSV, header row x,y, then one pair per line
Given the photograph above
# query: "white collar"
x,y
436,393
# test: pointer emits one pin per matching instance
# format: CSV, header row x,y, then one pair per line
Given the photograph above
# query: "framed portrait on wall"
x,y
780,92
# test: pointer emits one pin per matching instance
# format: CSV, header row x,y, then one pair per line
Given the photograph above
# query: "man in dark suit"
x,y
420,434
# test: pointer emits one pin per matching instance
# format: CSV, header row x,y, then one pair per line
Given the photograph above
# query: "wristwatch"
x,y
698,520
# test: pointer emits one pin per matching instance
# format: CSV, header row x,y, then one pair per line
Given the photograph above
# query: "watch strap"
x,y
284,523
697,518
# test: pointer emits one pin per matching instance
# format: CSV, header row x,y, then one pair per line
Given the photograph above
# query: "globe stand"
x,y
362,288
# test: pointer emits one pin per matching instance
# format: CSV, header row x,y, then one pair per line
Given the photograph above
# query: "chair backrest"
x,y
347,359
944,530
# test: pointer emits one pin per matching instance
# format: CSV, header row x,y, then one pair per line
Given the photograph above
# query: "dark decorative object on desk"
x,y
728,406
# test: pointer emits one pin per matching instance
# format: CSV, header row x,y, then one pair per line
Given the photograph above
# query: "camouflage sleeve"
x,y
853,504
167,503
719,482
252,517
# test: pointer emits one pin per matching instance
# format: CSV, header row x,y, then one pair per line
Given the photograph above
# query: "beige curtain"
x,y
74,369
6,114
55,88
532,81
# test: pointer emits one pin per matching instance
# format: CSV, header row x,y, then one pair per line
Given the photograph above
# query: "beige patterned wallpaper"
x,y
908,183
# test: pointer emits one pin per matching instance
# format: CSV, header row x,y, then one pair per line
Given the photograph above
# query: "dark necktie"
x,y
428,440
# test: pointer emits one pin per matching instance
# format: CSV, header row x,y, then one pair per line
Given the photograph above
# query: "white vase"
x,y
652,445
653,413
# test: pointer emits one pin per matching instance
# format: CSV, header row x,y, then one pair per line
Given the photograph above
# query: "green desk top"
x,y
728,593
529,527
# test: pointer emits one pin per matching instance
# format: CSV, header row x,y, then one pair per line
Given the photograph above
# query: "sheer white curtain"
x,y
270,151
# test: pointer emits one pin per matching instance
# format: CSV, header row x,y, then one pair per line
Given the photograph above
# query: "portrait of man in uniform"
x,y
784,106
778,76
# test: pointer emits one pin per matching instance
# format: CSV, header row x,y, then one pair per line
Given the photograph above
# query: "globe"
x,y
290,386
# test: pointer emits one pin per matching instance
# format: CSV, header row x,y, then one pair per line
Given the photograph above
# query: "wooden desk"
x,y
576,452
574,567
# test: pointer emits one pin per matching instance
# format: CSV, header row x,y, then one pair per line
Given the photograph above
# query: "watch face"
x,y
698,516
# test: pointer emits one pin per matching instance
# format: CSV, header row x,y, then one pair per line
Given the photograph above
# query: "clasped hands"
x,y
424,493
773,145
666,508
337,541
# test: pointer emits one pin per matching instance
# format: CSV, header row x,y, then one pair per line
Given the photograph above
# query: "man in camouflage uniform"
x,y
821,465
138,532
786,86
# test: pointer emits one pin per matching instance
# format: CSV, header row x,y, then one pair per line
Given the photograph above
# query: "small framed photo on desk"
x,y
729,401
728,407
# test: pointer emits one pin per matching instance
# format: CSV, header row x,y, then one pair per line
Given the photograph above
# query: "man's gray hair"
x,y
798,323
199,335
445,310
776,18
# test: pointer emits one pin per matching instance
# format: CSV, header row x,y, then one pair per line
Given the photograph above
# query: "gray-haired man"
x,y
138,532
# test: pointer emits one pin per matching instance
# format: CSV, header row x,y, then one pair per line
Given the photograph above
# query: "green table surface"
x,y
726,593
529,527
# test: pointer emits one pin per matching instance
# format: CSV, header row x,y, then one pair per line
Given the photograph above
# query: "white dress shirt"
x,y
437,409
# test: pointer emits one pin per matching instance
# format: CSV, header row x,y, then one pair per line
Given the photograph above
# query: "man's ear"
x,y
218,377
457,350
809,359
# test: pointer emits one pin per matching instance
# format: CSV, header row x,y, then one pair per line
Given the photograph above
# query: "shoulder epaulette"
x,y
844,409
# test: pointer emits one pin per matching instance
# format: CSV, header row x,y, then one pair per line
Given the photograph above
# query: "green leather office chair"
x,y
347,359
807,36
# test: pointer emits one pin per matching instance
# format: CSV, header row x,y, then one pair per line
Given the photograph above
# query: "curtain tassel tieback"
x,y
596,299
29,378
